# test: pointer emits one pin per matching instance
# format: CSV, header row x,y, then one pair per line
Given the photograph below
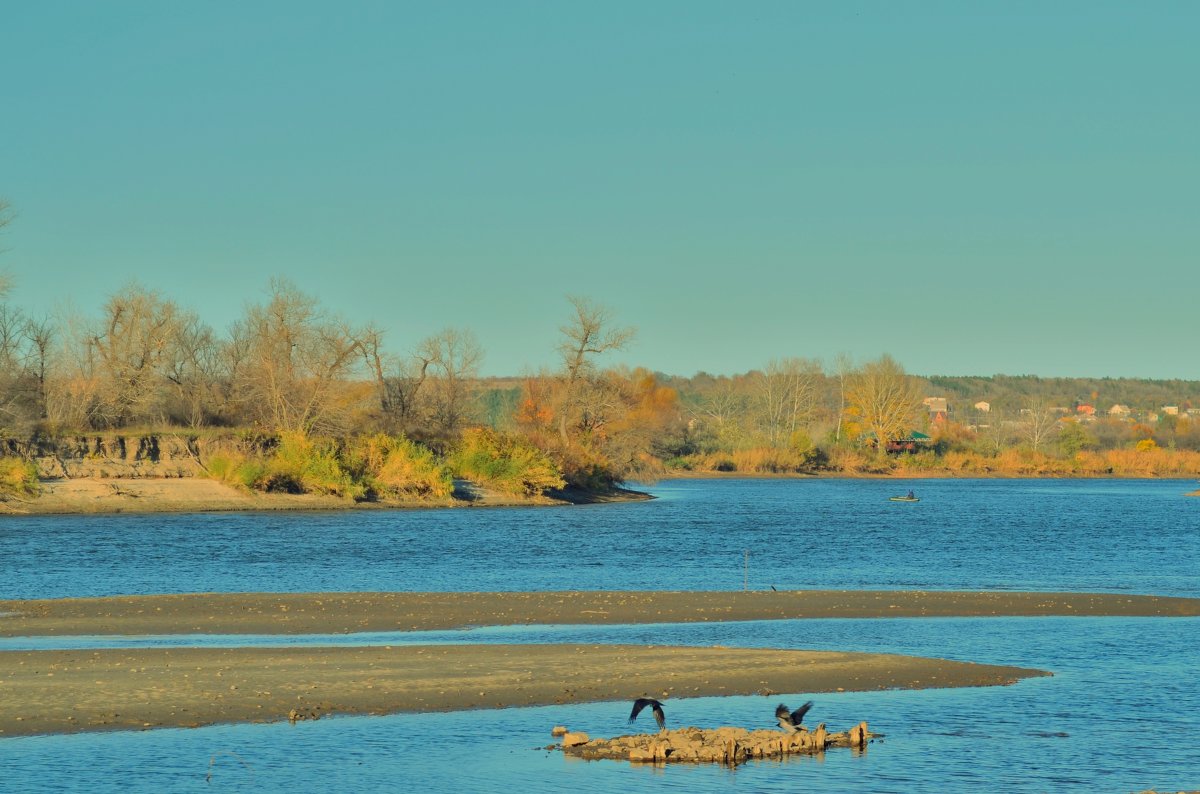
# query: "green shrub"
x,y
234,468
18,477
397,467
508,463
301,464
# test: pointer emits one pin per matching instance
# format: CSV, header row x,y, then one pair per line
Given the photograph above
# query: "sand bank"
x,y
69,691
65,691
335,613
91,495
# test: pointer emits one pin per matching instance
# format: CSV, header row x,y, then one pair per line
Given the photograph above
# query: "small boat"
x,y
904,499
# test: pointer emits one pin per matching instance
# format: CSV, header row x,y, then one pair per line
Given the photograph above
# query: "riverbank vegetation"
x,y
298,400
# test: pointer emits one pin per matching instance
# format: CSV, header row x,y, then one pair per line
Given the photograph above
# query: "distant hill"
x,y
1011,392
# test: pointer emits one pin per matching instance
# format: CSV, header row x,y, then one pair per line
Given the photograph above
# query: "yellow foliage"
x,y
509,463
18,477
397,467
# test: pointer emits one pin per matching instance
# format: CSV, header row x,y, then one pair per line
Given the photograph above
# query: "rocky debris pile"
x,y
730,746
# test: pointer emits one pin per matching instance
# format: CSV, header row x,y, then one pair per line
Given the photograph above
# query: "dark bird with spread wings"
x,y
641,703
790,721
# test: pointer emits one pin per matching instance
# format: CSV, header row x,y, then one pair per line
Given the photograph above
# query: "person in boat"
x,y
911,495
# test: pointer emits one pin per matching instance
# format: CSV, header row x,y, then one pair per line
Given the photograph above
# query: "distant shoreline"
x,y
936,474
114,495
111,495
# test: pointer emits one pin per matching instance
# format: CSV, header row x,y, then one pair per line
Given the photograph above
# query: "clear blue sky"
x,y
974,188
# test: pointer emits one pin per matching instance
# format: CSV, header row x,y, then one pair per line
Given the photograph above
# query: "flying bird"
x,y
641,703
790,721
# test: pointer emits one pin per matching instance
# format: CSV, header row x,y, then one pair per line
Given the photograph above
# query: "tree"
x,y
194,372
586,335
398,383
842,367
126,352
1040,424
885,398
295,363
453,357
1073,439
787,396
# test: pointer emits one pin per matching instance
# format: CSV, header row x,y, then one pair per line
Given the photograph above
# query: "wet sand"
x,y
70,691
79,690
338,613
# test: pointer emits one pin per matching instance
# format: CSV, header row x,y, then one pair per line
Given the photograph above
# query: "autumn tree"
x,y
453,357
195,373
885,399
398,384
589,333
787,397
125,355
296,364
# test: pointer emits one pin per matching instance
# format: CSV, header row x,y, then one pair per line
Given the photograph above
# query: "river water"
x,y
1120,714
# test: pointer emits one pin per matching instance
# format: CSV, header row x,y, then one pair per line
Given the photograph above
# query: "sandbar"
x,y
340,613
89,690
62,691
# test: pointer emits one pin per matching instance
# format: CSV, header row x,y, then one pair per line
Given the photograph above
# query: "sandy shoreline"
x,y
100,495
338,613
63,691
71,691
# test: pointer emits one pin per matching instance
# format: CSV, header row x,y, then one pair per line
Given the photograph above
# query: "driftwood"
x,y
730,746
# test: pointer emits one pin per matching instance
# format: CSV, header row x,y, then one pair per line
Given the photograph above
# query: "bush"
x,y
397,467
235,468
302,464
19,477
508,463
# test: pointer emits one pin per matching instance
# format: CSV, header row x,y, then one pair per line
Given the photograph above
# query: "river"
x,y
1120,714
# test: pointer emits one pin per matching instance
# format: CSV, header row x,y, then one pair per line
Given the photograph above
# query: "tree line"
x,y
288,368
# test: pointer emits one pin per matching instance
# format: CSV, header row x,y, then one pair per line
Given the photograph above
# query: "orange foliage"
x,y
534,409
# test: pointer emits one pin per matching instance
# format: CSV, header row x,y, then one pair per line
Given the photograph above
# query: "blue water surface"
x,y
1136,536
1120,713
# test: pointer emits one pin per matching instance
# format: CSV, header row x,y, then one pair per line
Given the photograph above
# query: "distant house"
x,y
1119,411
910,444
938,407
983,407
1086,410
1171,410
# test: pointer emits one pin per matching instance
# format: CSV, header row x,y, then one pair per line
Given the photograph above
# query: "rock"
x,y
558,730
858,735
574,739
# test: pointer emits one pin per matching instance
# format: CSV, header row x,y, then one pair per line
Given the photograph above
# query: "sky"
x,y
972,188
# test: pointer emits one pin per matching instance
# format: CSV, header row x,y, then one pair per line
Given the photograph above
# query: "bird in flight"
x,y
790,721
641,703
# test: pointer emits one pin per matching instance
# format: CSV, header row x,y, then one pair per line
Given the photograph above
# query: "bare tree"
x,y
127,352
294,363
787,396
453,357
722,410
886,398
193,368
997,433
398,383
842,367
587,335
1039,424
